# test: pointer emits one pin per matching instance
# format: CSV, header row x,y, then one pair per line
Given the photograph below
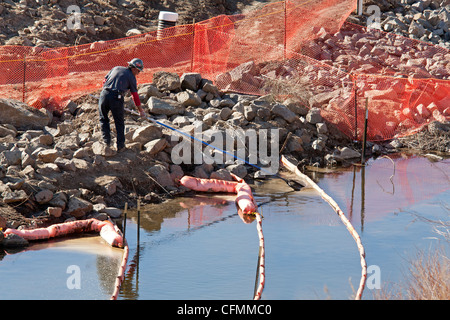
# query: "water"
x,y
200,248
50,270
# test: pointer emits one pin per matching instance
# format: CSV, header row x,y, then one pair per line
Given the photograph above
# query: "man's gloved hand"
x,y
142,112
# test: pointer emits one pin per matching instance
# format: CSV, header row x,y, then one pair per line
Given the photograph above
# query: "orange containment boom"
x,y
106,229
244,198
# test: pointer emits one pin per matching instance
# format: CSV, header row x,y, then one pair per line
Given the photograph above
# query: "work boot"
x,y
122,149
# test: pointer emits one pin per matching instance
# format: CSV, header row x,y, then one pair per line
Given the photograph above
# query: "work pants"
x,y
112,101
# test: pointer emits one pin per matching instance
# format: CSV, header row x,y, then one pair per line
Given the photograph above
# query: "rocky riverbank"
x,y
54,167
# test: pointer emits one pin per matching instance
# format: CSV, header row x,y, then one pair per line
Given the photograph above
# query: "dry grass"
x,y
428,278
428,273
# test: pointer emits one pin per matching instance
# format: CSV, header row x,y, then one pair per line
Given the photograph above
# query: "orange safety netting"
x,y
302,49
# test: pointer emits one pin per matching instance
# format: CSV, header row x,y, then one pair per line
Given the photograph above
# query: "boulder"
x,y
283,112
188,98
102,149
7,129
167,81
49,155
43,196
146,134
59,200
11,158
54,211
164,106
14,196
347,153
221,174
190,81
109,183
78,207
161,175
22,116
112,212
238,169
314,116
155,146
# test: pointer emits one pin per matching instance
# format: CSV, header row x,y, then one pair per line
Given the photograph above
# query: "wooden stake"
x,y
365,133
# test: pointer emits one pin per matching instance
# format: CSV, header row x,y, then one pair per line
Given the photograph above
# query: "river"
x,y
200,248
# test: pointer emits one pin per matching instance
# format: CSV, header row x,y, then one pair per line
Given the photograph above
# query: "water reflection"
x,y
386,185
39,271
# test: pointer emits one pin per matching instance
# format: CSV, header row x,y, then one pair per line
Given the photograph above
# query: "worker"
x,y
116,84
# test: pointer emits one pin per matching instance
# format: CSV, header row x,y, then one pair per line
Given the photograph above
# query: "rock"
x,y
318,144
7,129
395,144
65,164
167,81
188,98
14,196
347,153
221,174
147,91
190,81
112,212
22,116
161,175
283,112
16,184
181,121
416,29
238,169
43,196
146,134
296,107
295,144
2,225
12,240
225,113
102,149
54,211
59,200
109,184
49,155
314,116
11,158
78,207
321,127
250,112
133,32
46,139
155,146
80,153
209,87
264,113
176,172
166,106
69,141
199,172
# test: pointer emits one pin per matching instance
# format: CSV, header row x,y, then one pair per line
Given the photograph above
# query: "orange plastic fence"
x,y
298,48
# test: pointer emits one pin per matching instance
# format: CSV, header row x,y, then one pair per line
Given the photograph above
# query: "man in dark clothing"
x,y
117,82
